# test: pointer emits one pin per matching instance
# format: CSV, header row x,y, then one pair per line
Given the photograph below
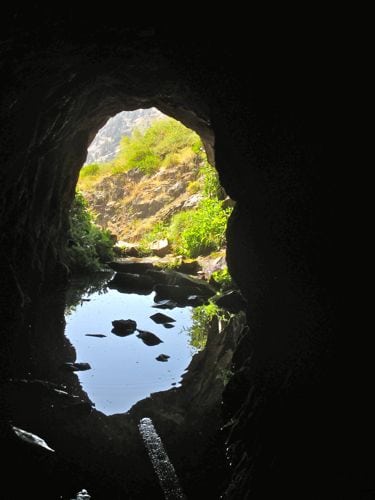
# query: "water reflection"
x,y
124,369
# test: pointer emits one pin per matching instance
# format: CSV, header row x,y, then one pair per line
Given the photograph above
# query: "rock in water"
x,y
82,495
77,367
131,266
132,283
168,325
148,338
30,438
162,318
99,335
165,304
123,327
163,357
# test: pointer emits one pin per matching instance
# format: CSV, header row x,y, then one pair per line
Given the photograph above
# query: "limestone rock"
x,y
160,248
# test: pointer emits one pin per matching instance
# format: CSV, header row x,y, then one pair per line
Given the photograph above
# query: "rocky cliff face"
x,y
130,204
105,145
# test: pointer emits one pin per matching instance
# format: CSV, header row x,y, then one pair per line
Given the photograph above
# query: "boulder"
x,y
132,283
170,277
188,267
130,266
123,327
160,247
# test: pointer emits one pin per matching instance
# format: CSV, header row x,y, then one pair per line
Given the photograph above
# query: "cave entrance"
x,y
147,186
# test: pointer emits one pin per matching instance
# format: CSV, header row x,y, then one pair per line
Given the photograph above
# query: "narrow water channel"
x,y
124,370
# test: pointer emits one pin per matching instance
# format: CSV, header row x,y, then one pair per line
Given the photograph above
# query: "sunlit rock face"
x,y
261,121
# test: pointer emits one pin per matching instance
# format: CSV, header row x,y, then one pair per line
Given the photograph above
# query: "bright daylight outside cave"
x,y
146,250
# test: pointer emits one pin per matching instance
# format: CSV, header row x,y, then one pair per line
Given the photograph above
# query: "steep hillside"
x,y
159,187
129,204
105,146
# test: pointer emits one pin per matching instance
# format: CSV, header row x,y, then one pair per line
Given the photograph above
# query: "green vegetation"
x,y
85,285
199,231
223,278
165,143
203,318
88,244
90,170
158,232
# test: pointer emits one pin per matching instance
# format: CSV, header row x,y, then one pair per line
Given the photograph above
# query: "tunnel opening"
x,y
110,382
146,180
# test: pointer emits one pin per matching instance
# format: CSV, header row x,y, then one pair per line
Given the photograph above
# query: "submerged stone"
x,y
162,357
123,327
162,318
30,438
98,335
132,282
165,304
148,338
77,367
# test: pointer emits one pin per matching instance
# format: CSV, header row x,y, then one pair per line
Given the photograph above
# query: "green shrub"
x,y
193,187
203,317
90,170
223,278
200,231
211,187
165,143
88,244
158,232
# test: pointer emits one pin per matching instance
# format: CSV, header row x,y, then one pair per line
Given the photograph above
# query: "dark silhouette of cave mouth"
x,y
258,109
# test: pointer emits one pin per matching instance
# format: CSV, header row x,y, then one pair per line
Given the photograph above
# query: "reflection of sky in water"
x,y
124,369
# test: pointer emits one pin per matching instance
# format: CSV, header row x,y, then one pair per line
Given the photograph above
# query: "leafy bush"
x,y
165,142
200,231
211,187
203,317
223,278
158,232
88,244
90,170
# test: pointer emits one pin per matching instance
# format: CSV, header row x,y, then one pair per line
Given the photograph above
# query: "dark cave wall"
x,y
265,112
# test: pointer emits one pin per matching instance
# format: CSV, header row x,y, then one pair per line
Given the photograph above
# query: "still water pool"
x,y
124,369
